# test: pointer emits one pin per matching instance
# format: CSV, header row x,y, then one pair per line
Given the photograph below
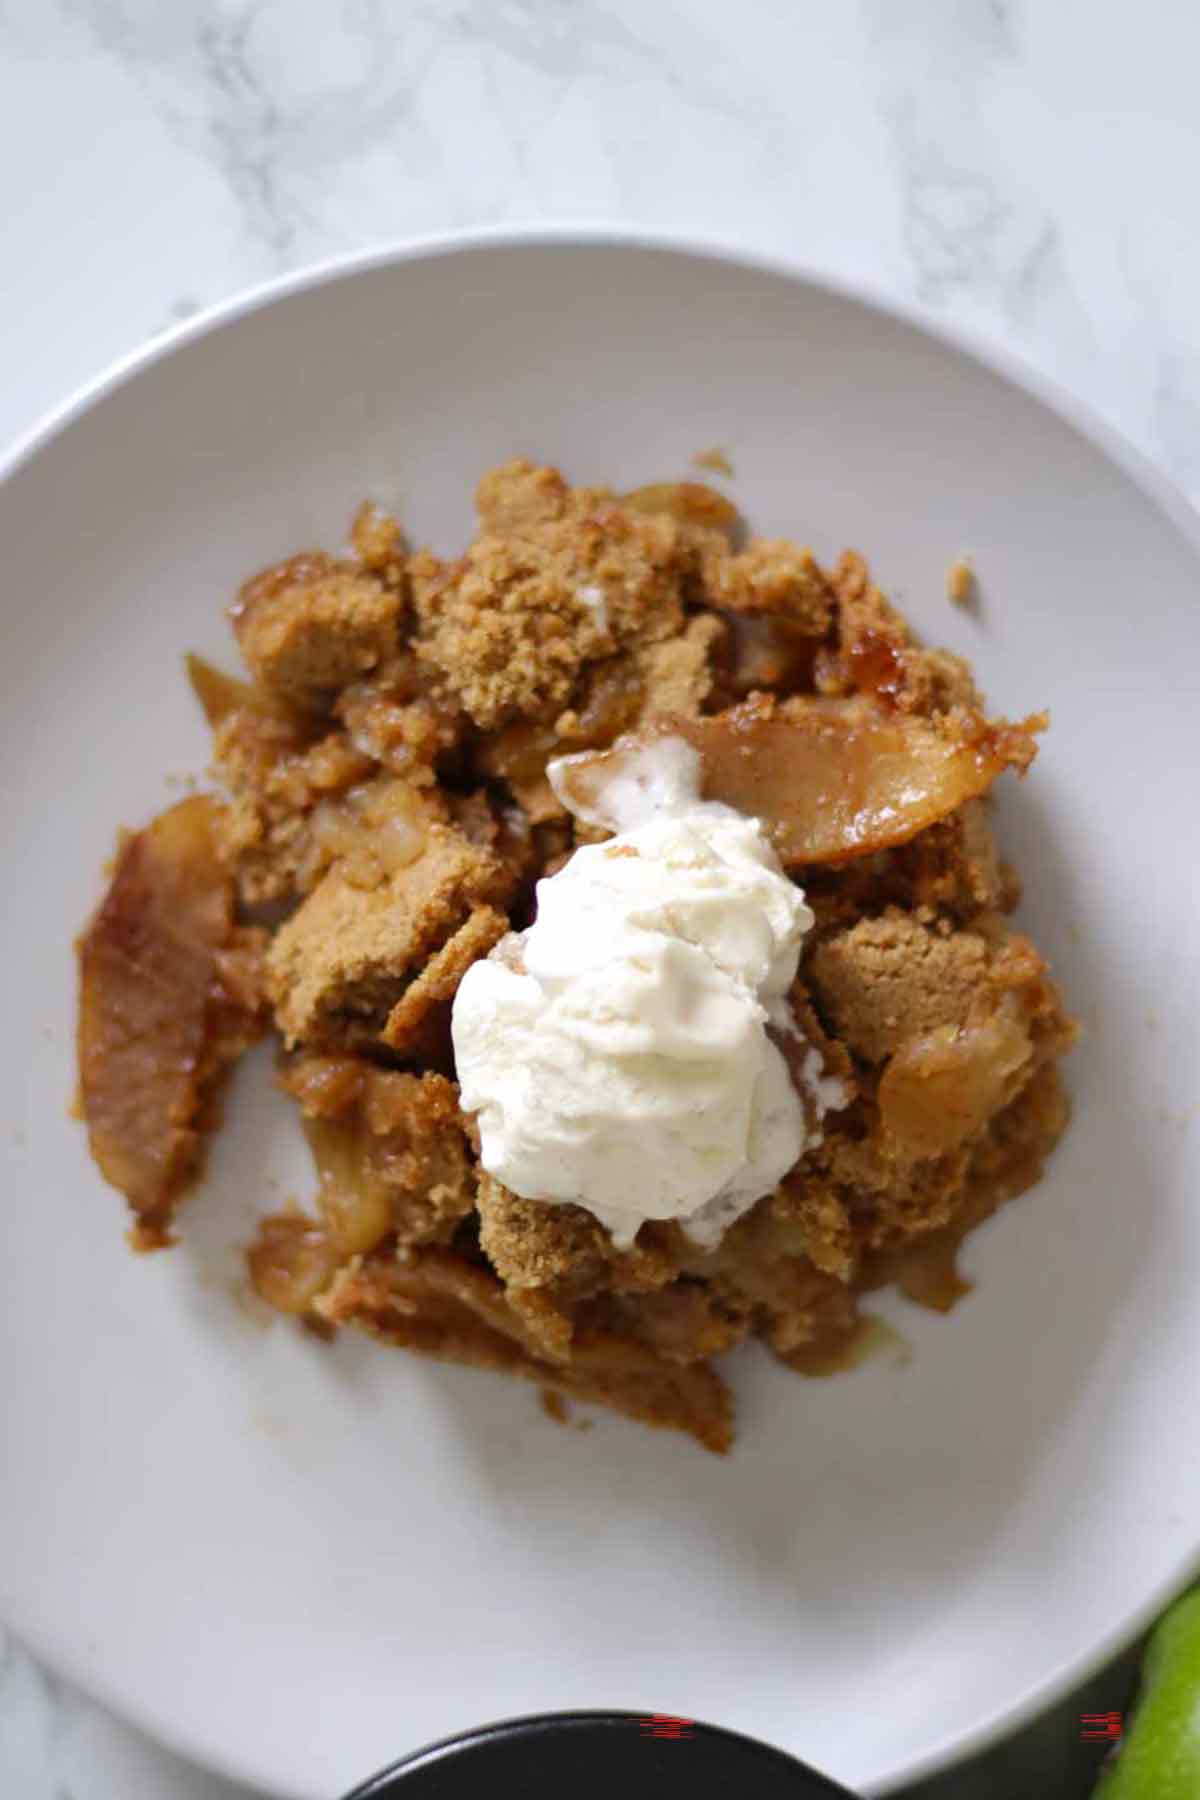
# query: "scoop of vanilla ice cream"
x,y
616,1053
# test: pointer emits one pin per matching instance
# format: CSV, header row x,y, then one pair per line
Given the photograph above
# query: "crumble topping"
x,y
386,817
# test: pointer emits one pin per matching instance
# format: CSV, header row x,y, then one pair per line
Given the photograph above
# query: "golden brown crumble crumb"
x,y
817,1224
890,1198
276,776
519,494
890,977
340,963
960,581
391,718
715,459
509,626
954,865
554,1406
308,626
379,542
535,1246
389,813
772,576
439,979
677,675
404,1151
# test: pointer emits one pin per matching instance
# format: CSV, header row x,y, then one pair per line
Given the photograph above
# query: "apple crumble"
x,y
416,764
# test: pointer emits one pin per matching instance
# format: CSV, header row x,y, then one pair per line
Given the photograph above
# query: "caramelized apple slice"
x,y
221,694
830,779
942,1086
168,998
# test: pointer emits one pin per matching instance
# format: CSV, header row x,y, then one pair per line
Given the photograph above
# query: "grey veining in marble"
x,y
1021,167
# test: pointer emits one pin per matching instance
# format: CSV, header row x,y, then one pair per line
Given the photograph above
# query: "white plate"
x,y
295,1562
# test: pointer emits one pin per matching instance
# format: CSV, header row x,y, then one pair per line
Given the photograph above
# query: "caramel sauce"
x,y
878,667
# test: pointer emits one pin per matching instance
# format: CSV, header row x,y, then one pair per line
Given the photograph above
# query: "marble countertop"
x,y
1026,167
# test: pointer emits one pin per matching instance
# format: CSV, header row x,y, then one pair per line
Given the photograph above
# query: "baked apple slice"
x,y
169,997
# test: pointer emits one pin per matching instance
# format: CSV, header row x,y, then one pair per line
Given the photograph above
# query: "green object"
x,y
1159,1758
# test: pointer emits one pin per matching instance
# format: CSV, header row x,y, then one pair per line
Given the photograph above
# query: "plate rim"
x,y
968,341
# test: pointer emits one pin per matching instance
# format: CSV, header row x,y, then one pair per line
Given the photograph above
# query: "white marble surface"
x,y
1026,166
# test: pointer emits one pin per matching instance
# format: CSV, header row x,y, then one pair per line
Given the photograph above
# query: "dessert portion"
x,y
623,897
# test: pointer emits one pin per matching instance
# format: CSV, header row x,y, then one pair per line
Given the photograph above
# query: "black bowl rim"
x,y
750,1754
